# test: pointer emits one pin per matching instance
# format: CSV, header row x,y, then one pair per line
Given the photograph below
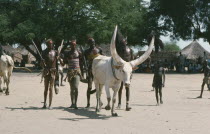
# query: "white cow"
x,y
110,71
6,68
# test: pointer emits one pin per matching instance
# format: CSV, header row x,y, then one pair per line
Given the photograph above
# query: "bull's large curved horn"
x,y
114,54
145,55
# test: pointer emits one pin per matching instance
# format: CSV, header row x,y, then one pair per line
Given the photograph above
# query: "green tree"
x,y
186,19
171,46
23,20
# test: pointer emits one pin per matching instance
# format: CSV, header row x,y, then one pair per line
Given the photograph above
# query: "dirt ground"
x,y
181,113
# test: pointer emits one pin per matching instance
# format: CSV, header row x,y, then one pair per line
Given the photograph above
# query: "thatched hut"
x,y
194,51
19,54
16,56
26,55
8,49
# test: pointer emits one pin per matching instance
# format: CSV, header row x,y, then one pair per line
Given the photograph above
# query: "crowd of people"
x,y
179,65
53,60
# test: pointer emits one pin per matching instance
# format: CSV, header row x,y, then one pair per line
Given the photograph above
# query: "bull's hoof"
x,y
161,102
114,114
50,108
88,105
119,106
1,90
128,108
157,104
107,107
7,93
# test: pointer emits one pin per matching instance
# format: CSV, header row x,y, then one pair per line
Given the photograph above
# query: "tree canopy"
x,y
186,19
171,46
23,20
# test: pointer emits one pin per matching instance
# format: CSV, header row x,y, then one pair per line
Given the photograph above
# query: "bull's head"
x,y
125,68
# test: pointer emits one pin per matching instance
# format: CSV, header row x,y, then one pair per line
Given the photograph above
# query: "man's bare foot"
x,y
199,97
72,106
44,107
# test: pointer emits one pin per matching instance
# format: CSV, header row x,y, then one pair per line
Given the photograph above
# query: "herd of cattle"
x,y
107,71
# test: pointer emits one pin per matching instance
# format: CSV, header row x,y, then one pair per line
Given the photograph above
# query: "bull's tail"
x,y
9,61
23,68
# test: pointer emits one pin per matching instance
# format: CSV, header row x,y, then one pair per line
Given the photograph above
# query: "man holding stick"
x,y
49,63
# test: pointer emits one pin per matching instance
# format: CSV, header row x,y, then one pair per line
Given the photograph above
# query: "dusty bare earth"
x,y
181,113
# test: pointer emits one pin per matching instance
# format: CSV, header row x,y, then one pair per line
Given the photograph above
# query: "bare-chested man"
x,y
206,79
91,53
49,74
158,81
73,59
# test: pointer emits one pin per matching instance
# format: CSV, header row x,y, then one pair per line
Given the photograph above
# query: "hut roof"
x,y
194,50
9,49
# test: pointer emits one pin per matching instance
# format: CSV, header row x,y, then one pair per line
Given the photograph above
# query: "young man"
x,y
206,79
91,53
73,59
158,81
49,74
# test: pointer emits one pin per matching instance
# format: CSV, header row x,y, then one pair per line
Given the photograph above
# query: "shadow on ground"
x,y
32,108
86,113
143,105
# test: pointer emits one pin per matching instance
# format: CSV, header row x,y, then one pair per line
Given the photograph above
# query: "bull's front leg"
x,y
98,96
113,103
108,107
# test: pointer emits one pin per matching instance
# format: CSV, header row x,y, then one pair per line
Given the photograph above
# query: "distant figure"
x,y
158,81
206,79
204,56
181,63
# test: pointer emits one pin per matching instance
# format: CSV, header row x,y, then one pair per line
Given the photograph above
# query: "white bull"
x,y
110,71
6,68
